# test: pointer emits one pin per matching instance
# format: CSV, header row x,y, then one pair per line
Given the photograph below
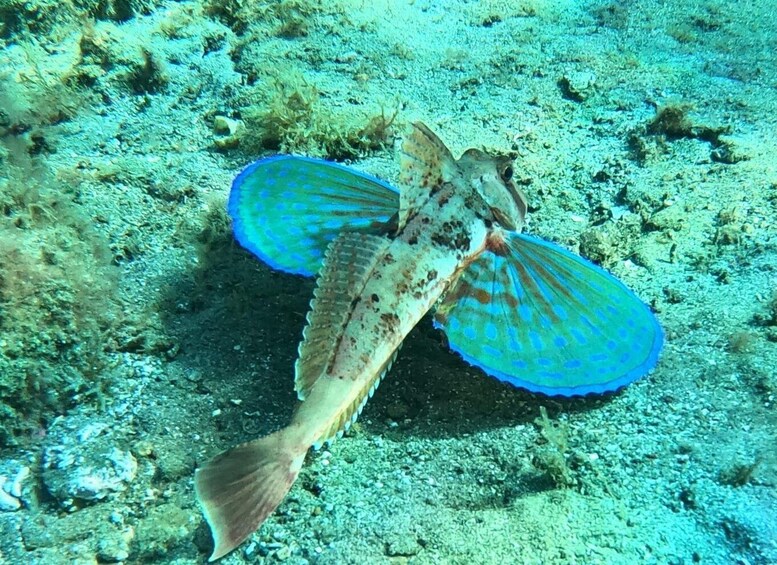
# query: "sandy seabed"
x,y
137,339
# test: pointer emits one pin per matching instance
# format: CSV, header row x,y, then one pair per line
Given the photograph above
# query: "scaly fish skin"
x,y
415,269
372,290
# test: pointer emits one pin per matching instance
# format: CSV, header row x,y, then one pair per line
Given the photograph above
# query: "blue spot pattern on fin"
x,y
549,321
286,209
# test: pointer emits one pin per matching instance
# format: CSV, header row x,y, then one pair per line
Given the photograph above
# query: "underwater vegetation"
x,y
291,118
57,284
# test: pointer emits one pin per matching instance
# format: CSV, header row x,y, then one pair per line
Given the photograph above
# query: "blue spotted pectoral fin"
x,y
286,209
542,318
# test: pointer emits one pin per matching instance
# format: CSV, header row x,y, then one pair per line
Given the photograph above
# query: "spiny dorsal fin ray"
x,y
425,163
348,263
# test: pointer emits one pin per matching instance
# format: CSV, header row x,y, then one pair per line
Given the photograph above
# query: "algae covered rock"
x,y
14,484
84,463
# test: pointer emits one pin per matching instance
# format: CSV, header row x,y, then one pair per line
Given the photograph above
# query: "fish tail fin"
x,y
239,488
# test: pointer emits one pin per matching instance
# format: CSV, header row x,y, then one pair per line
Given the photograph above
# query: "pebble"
x,y
228,133
115,549
13,474
731,150
578,86
250,551
401,546
283,553
160,532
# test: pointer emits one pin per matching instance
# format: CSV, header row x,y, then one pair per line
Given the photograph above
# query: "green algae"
x,y
57,282
291,118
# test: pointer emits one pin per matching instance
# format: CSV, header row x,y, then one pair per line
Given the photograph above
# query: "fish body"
x,y
525,311
406,275
372,290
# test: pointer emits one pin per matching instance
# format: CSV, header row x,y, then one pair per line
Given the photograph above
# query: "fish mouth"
x,y
503,219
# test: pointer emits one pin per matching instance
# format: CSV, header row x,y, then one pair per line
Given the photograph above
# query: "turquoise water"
x,y
138,339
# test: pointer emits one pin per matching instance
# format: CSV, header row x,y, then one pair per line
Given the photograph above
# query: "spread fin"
x,y
239,488
348,264
425,163
286,209
542,318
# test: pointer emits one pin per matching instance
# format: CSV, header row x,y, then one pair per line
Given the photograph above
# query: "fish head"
x,y
492,179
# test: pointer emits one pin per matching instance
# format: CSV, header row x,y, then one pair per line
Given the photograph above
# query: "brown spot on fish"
x,y
453,236
462,241
441,240
431,275
482,296
511,300
375,297
390,320
461,289
413,240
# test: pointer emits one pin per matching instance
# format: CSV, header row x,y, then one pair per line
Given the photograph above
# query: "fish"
x,y
524,310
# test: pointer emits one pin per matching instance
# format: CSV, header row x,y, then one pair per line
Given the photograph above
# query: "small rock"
x,y
597,245
14,546
671,218
83,464
397,410
402,546
174,464
250,551
143,448
283,553
7,502
161,530
115,548
13,474
578,86
224,126
731,150
228,132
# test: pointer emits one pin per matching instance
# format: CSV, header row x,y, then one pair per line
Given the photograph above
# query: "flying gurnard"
x,y
525,311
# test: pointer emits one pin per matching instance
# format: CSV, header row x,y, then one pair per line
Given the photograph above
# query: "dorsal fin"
x,y
348,263
425,163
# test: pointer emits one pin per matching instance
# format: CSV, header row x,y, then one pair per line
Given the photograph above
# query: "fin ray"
x,y
544,319
239,488
349,262
286,209
425,163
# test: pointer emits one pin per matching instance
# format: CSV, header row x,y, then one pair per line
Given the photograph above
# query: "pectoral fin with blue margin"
x,y
286,209
537,316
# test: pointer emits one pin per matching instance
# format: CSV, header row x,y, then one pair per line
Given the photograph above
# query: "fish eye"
x,y
507,173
